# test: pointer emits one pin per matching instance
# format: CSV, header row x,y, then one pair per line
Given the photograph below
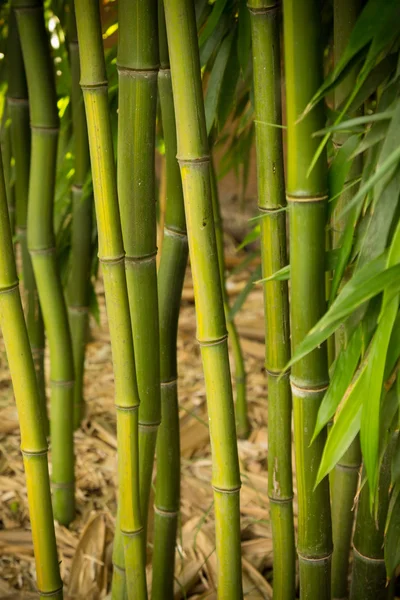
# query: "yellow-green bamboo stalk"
x,y
33,439
18,106
264,17
194,160
5,142
307,197
344,478
41,244
111,255
242,418
137,75
78,290
170,282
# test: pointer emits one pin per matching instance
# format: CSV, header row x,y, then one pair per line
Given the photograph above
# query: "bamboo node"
x,y
271,210
324,558
278,373
303,392
77,187
263,10
112,259
78,309
149,427
164,71
305,199
126,408
169,382
132,534
234,490
50,594
147,73
9,288
18,101
42,129
215,342
175,233
63,384
368,558
38,251
118,568
275,500
171,514
94,86
193,161
143,258
63,485
34,453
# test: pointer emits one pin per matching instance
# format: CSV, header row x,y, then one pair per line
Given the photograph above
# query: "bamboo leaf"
x,y
244,37
212,21
392,538
241,298
229,85
377,76
351,123
214,86
345,367
250,237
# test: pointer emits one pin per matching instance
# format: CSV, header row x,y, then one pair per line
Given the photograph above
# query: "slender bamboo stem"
x,y
368,580
5,142
345,476
271,194
18,106
193,156
242,418
137,75
111,255
170,283
41,244
33,439
307,196
78,290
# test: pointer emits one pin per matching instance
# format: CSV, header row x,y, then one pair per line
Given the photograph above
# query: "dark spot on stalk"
x,y
274,168
204,223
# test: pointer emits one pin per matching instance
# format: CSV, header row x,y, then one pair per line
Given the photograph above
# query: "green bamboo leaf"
x,y
229,85
214,86
393,353
370,422
351,123
372,137
392,538
395,468
345,367
212,21
241,298
390,144
281,275
365,284
340,167
213,42
252,236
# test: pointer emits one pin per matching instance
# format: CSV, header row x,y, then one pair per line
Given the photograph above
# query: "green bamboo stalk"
x,y
5,142
242,418
41,244
307,197
33,439
344,478
271,193
18,106
111,255
194,160
368,580
78,289
171,275
137,75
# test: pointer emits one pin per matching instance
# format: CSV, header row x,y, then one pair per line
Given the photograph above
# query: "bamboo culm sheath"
x,y
33,439
194,163
137,76
307,196
18,106
78,289
111,255
271,199
41,244
170,283
344,479
241,412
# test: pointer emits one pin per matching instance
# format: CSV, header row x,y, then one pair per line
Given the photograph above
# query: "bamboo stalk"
x,y
241,412
170,283
111,255
5,141
33,439
271,194
345,476
137,75
368,580
18,106
78,290
307,196
41,244
194,160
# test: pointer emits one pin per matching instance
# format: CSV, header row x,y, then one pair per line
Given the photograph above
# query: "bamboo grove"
x,y
311,88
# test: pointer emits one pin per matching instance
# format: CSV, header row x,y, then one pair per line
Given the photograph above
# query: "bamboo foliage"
x,y
33,439
41,244
111,255
307,194
193,156
271,191
170,283
137,76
